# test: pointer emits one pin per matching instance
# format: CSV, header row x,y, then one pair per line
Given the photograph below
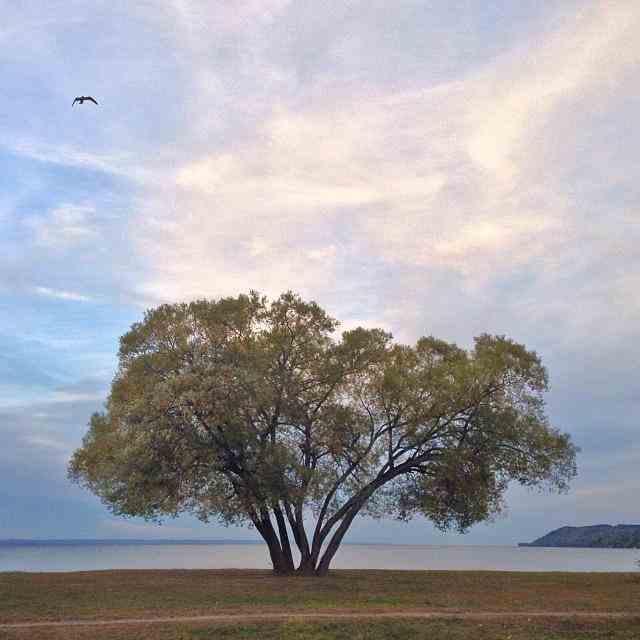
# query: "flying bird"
x,y
81,99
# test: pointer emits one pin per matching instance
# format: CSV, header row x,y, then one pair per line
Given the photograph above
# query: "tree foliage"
x,y
250,411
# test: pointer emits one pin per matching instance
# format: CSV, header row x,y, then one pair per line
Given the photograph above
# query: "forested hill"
x,y
621,536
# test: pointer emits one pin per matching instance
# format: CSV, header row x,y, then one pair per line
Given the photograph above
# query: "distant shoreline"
x,y
70,542
34,542
17,542
598,536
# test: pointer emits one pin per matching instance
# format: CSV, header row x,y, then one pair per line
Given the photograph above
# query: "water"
x,y
90,557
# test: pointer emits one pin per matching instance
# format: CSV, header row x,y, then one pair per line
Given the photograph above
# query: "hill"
x,y
621,536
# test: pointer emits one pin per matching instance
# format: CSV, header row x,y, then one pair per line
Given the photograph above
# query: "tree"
x,y
250,411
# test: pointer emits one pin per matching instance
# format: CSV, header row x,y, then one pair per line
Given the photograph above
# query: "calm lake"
x,y
89,557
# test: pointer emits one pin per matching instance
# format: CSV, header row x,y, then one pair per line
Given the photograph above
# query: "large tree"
x,y
252,411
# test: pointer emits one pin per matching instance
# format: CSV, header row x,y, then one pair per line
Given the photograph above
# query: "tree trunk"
x,y
332,547
284,539
280,550
296,521
281,564
351,512
306,567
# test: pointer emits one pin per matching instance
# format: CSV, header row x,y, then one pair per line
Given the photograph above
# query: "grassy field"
x,y
373,630
110,595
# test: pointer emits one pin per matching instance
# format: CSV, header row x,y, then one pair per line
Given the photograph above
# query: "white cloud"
x,y
56,397
275,179
62,295
198,16
589,52
123,164
47,443
446,177
68,156
66,226
20,396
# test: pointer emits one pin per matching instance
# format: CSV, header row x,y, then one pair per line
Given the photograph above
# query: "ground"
x,y
255,604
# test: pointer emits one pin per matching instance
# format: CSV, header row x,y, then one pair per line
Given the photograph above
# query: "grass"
x,y
135,594
374,630
130,594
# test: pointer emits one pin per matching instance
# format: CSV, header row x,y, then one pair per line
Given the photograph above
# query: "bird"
x,y
81,99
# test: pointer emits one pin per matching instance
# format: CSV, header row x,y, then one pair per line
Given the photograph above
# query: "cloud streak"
x,y
62,295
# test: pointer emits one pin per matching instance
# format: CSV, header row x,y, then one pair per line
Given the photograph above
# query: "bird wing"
x,y
92,99
76,100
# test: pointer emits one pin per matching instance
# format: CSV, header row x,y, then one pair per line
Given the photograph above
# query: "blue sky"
x,y
430,167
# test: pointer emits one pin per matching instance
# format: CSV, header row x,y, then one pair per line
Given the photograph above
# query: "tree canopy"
x,y
253,411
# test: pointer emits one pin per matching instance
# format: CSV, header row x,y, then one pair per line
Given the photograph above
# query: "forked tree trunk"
x,y
312,562
306,567
282,563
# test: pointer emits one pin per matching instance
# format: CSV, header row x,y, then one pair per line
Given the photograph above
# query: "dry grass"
x,y
131,594
374,630
127,594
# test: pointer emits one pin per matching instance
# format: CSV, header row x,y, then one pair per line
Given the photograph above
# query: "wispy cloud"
x,y
63,295
67,156
450,177
65,396
67,225
48,443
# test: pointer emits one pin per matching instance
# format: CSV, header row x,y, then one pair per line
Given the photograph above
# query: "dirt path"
x,y
329,615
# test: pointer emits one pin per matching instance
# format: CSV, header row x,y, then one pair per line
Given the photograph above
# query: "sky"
x,y
431,167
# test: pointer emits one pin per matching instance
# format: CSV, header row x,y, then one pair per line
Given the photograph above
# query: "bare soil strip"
x,y
333,615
